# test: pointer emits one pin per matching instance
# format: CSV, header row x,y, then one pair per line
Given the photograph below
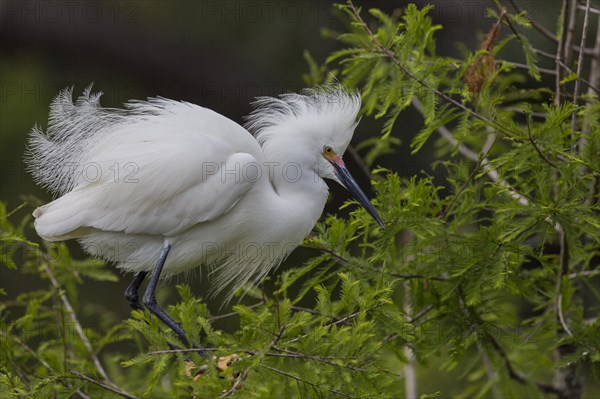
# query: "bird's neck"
x,y
293,178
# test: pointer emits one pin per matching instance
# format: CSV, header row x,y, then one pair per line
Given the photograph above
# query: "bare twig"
x,y
410,370
78,328
561,317
237,384
421,313
313,312
593,10
491,139
558,56
595,79
320,359
570,34
473,156
339,321
563,270
286,374
546,55
418,276
346,262
230,314
42,361
77,324
535,146
110,388
519,65
589,83
585,273
335,255
580,63
187,350
492,375
537,26
564,380
514,374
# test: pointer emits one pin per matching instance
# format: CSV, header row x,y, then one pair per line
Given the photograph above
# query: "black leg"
x,y
150,300
131,293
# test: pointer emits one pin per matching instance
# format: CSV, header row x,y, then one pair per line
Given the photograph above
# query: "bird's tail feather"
x,y
60,219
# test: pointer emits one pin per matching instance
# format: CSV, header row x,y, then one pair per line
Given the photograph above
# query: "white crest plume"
x,y
330,109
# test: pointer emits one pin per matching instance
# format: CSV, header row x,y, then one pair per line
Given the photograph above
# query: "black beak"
x,y
348,181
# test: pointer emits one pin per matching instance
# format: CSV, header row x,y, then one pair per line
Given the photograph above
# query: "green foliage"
x,y
487,270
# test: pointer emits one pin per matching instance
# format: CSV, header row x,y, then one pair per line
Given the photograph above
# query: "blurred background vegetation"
x,y
216,54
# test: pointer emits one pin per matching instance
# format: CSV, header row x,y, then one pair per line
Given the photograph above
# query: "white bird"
x,y
164,186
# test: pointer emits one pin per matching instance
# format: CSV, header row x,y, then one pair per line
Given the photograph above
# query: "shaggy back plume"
x,y
55,158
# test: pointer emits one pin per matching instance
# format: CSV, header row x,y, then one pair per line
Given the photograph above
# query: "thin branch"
x,y
588,83
346,262
237,384
77,324
339,321
570,34
335,255
541,115
281,353
230,314
595,79
421,313
334,391
585,273
514,374
491,139
561,317
519,65
473,156
320,359
418,276
313,312
536,25
546,54
410,370
580,63
593,10
558,55
586,50
42,361
492,375
187,350
563,270
535,146
104,386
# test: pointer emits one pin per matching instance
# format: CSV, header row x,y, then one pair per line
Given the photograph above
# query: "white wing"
x,y
168,167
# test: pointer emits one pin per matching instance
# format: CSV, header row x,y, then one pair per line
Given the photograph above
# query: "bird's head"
x,y
313,129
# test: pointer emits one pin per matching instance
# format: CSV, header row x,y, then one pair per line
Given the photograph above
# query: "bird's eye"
x,y
328,150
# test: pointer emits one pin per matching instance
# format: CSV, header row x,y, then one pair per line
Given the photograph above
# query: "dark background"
x,y
218,54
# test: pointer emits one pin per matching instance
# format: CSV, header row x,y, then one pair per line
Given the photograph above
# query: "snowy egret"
x,y
164,186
